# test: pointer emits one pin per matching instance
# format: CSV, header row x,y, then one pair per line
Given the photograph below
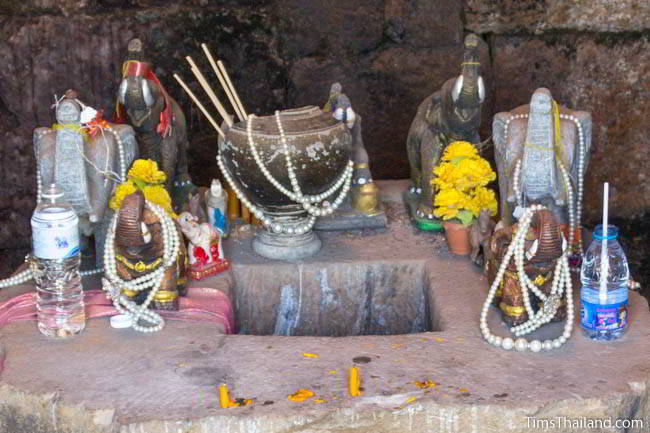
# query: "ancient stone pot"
x,y
319,147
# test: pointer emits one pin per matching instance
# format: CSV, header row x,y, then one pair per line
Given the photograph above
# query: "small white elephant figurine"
x,y
205,250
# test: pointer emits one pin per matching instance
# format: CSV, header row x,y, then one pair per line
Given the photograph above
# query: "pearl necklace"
x,y
19,278
114,284
581,163
561,281
314,211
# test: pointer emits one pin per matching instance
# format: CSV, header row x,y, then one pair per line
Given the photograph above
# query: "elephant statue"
x,y
529,137
452,113
205,250
158,121
543,245
85,160
139,249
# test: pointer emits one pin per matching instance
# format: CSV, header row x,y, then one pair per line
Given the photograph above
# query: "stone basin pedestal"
x,y
302,325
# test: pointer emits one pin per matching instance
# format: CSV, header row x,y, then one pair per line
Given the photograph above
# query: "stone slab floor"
x,y
109,380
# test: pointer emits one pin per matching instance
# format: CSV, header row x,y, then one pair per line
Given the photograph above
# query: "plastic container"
x,y
604,318
55,265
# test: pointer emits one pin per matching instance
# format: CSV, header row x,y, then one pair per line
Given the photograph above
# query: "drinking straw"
x,y
604,257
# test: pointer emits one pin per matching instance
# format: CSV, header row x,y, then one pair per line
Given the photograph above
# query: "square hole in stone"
x,y
334,299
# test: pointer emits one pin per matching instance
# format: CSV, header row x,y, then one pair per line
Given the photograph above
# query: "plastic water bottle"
x,y
606,320
55,265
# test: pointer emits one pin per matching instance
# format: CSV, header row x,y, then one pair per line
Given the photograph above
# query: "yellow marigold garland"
x,y
460,183
146,171
144,176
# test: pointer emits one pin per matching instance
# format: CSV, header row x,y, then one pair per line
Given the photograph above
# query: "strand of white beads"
x,y
307,200
582,151
39,178
17,279
561,279
153,280
39,185
523,278
121,156
91,272
343,182
298,198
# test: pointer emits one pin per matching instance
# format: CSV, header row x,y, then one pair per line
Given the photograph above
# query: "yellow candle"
x,y
255,221
233,205
245,214
354,382
224,400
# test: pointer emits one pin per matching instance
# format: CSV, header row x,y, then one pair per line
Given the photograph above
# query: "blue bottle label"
x,y
609,317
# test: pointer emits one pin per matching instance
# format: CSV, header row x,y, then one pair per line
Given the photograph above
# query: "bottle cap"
x,y
612,232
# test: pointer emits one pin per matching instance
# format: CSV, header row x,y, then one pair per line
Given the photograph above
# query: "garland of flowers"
x,y
144,176
460,182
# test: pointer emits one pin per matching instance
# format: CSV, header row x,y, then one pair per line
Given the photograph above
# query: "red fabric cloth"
x,y
133,68
201,304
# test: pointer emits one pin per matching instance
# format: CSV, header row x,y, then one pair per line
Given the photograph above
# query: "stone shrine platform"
x,y
338,305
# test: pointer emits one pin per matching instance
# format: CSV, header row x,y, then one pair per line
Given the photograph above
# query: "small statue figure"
x,y
479,237
158,121
85,158
543,140
205,250
139,249
216,199
362,208
196,207
453,113
543,246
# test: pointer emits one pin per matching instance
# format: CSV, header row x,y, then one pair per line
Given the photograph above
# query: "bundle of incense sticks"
x,y
226,84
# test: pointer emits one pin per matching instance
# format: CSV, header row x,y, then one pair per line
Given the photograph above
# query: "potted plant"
x,y
460,182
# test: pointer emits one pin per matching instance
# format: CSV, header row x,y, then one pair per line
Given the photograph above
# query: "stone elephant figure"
x,y
158,121
139,249
85,163
451,114
543,245
526,136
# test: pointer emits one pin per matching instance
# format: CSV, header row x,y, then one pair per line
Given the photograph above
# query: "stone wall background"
x,y
388,54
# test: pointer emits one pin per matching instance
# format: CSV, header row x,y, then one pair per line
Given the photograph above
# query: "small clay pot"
x,y
457,237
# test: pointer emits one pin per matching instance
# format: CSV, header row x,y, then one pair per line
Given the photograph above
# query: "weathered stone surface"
x,y
340,28
168,381
610,79
423,23
539,16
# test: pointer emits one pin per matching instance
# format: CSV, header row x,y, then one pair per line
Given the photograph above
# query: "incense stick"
x,y
226,89
203,82
232,88
196,101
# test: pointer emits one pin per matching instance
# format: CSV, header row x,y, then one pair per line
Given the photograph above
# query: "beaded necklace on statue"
x,y
561,281
114,285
